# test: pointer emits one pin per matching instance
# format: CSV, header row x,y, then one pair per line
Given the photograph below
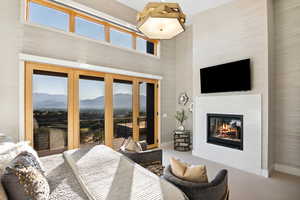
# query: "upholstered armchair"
x,y
145,157
217,189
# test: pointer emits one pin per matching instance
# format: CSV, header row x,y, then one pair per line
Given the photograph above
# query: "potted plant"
x,y
181,116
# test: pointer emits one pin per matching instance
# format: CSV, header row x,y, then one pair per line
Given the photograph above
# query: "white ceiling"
x,y
189,7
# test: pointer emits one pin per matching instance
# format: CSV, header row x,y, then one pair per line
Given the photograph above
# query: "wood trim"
x,y
72,22
76,112
28,103
109,129
133,38
71,99
157,115
27,2
135,109
107,33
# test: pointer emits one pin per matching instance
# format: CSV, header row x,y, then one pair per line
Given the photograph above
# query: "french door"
x,y
68,108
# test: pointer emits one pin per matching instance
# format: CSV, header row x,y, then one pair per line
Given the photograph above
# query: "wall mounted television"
x,y
229,77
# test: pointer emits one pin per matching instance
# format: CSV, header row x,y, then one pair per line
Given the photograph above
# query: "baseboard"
x,y
287,169
265,173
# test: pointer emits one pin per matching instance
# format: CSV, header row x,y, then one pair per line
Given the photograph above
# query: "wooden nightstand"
x,y
182,140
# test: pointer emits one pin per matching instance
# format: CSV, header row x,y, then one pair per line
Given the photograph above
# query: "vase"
x,y
180,127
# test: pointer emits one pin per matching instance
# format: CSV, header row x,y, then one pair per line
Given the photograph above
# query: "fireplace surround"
x,y
225,130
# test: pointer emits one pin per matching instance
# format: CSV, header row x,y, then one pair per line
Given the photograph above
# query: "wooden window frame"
x,y
74,13
73,102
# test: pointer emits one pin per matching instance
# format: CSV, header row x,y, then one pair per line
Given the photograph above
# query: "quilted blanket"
x,y
105,174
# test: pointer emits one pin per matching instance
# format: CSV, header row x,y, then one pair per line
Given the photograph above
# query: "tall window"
x,y
67,108
91,100
46,16
50,111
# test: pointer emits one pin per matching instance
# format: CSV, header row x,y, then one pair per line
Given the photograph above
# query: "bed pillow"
x,y
23,179
187,172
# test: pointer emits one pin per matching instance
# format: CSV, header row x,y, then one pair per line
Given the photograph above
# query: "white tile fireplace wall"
x,y
248,159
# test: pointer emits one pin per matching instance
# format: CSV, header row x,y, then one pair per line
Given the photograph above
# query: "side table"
x,y
182,140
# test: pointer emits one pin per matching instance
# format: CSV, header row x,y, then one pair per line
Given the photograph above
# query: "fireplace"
x,y
225,130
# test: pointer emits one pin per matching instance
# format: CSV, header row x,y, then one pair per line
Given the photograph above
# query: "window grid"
x,y
107,26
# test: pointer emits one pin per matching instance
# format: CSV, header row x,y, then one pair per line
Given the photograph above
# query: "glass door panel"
x,y
50,111
146,120
122,112
91,113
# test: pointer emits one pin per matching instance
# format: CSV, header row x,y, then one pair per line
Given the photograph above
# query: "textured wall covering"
x,y
51,43
287,84
10,39
231,32
184,69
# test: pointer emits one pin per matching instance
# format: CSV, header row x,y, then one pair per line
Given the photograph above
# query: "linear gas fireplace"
x,y
225,130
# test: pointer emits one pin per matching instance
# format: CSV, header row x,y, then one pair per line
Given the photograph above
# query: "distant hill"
x,y
49,101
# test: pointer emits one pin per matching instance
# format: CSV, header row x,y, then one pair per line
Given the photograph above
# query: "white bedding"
x,y
107,175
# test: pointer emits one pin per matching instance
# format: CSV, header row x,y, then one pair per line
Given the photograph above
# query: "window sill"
x,y
92,40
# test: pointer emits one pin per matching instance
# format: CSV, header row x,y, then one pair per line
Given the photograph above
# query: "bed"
x,y
100,173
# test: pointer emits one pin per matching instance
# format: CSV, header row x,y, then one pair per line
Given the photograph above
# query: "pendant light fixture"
x,y
160,20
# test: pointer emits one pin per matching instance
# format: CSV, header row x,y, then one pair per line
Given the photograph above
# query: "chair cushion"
x,y
23,179
187,172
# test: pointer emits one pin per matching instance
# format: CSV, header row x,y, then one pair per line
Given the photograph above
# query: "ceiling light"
x,y
161,20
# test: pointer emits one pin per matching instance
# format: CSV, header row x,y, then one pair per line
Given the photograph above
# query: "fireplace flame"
x,y
225,128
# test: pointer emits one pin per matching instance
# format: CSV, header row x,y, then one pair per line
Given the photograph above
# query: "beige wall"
x,y
184,69
10,40
44,42
287,84
231,32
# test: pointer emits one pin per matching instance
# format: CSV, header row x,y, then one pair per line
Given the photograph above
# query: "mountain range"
x,y
50,101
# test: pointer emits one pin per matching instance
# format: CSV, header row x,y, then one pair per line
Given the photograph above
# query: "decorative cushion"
x,y
190,173
23,179
12,151
24,183
25,159
131,145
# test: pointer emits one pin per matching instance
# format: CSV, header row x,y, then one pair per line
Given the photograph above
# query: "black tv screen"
x,y
229,77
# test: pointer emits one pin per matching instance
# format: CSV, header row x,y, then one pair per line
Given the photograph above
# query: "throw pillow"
x,y
25,159
14,150
23,183
132,146
190,173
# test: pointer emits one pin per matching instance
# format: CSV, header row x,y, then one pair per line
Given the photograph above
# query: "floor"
x,y
243,185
